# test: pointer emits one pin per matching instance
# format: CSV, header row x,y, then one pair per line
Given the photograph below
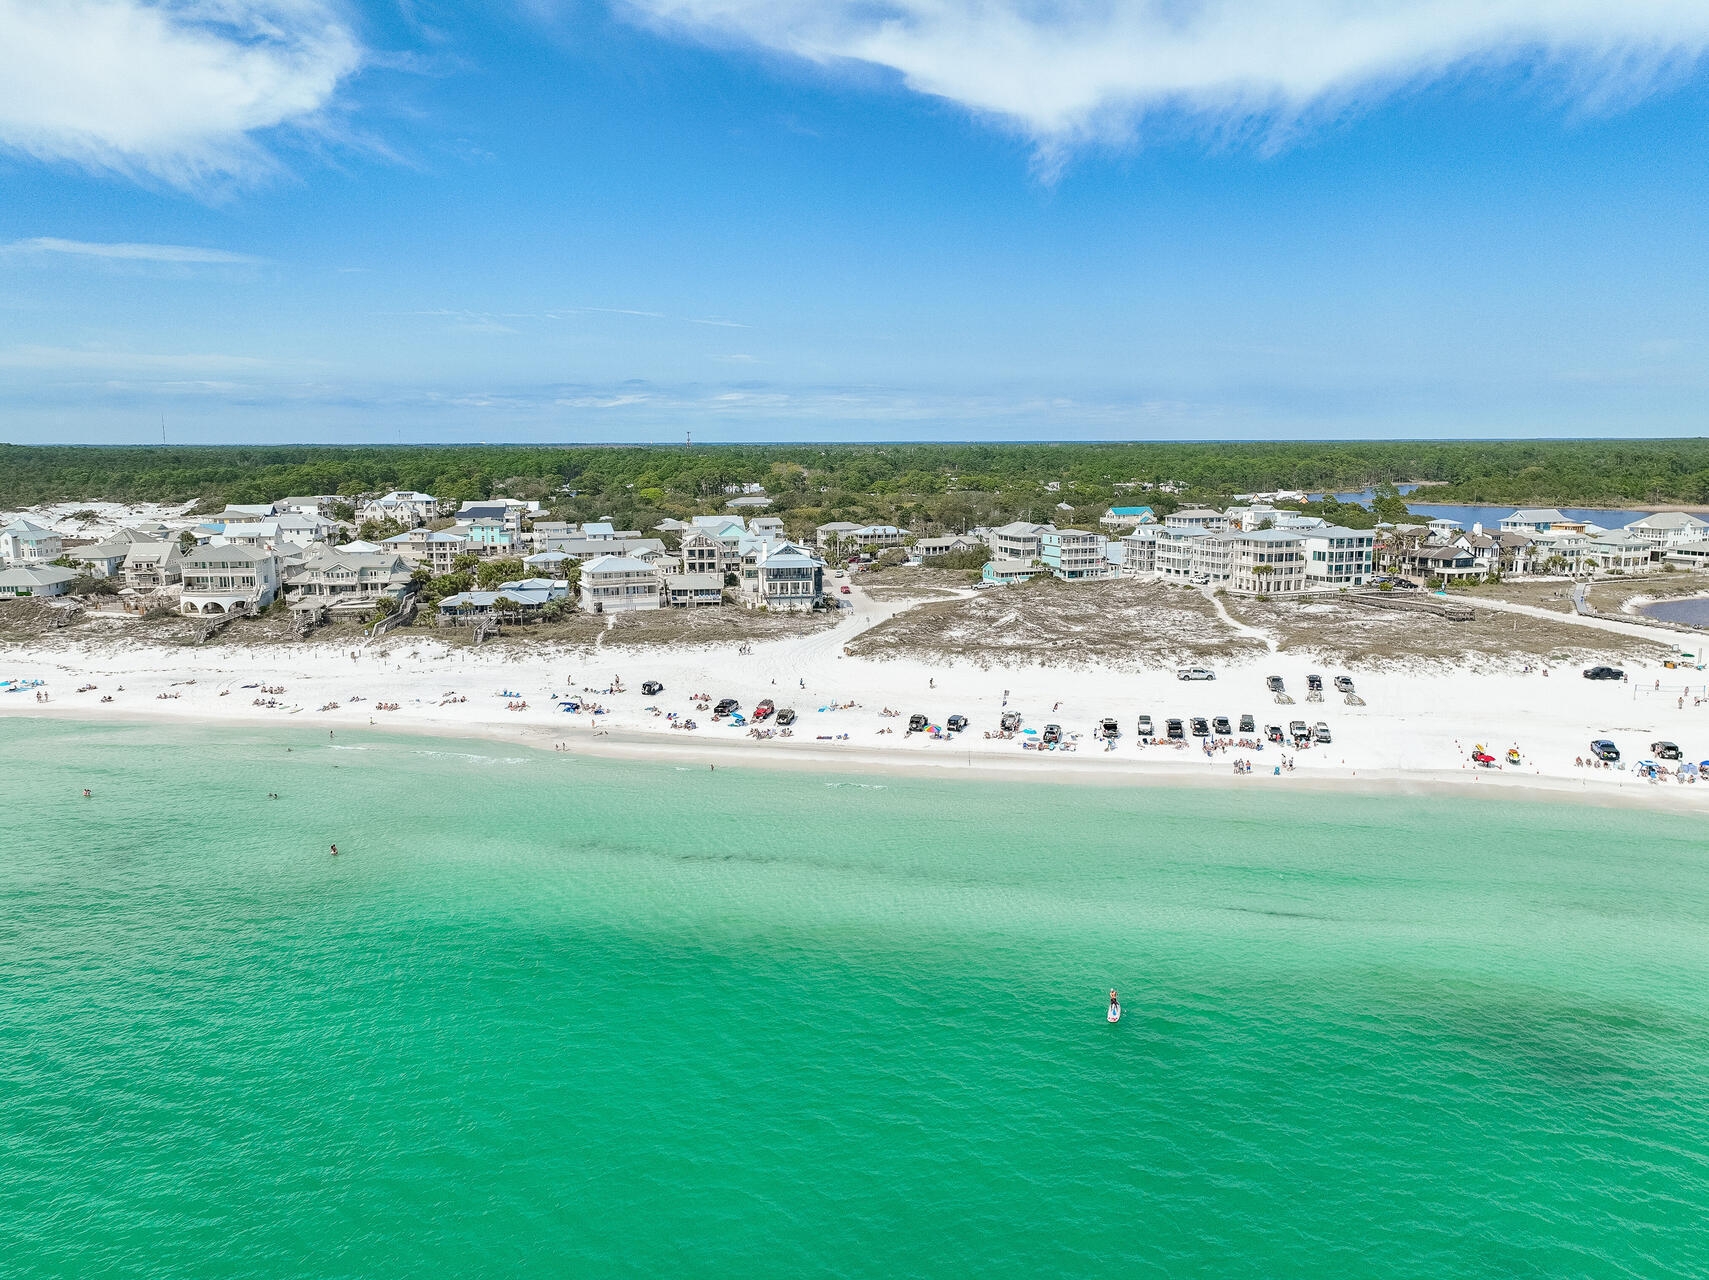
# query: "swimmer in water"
x,y
335,851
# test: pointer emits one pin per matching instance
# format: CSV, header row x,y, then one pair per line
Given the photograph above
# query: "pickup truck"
x,y
1605,751
1200,728
1321,732
725,706
1299,731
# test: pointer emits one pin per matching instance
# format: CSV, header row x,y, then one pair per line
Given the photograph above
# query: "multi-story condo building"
x,y
1266,562
1073,554
1018,540
335,576
1338,557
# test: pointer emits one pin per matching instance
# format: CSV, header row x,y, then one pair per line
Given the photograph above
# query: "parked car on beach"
x,y
1605,751
1108,728
1144,730
917,723
1299,731
1274,684
786,717
1604,673
1195,673
1201,729
1321,732
1222,726
650,687
955,724
1248,724
1175,730
1010,722
726,706
1052,733
1274,733
1665,751
1343,684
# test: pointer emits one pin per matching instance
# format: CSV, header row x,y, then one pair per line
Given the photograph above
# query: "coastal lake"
x,y
555,1016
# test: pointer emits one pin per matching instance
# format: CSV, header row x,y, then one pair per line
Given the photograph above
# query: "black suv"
x,y
1175,730
1222,727
1665,751
955,724
1604,673
1273,684
726,706
917,723
786,717
1200,728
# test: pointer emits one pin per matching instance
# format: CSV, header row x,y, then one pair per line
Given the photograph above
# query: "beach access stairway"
x,y
1411,604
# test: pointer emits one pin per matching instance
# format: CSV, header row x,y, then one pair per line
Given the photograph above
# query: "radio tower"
x,y
688,439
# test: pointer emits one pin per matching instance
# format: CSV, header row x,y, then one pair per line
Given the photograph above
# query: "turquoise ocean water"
x,y
548,1016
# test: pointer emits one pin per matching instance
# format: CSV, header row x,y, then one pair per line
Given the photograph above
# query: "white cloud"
x,y
176,253
173,89
1063,71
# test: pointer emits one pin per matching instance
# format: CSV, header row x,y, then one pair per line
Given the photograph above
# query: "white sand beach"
x,y
1414,729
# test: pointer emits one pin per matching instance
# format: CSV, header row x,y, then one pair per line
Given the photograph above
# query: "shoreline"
x,y
1596,788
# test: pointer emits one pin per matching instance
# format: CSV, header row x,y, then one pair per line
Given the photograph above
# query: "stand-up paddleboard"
x,y
1115,1013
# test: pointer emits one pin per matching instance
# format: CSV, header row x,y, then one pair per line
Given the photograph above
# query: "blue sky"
x,y
294,220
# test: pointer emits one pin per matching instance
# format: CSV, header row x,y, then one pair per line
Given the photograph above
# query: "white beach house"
x,y
227,579
27,545
620,584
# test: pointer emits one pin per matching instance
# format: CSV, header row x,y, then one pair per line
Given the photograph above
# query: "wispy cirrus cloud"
x,y
126,252
177,90
1066,71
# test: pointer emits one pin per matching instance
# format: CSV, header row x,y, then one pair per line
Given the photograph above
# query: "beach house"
x,y
1127,517
151,566
339,578
404,506
434,549
949,545
619,584
1196,518
227,579
1534,520
26,545
693,590
101,559
35,580
1618,551
1669,528
781,575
